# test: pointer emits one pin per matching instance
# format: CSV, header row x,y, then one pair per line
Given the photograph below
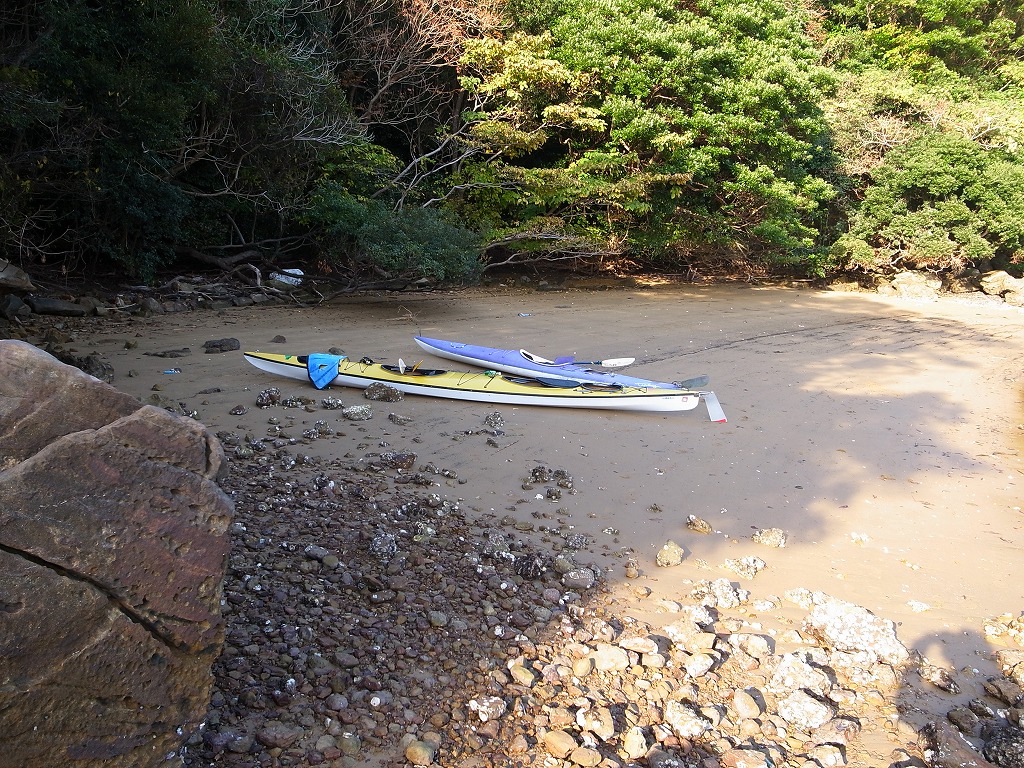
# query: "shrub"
x,y
940,202
366,236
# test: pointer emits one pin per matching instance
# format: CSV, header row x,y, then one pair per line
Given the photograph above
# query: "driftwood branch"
x,y
226,263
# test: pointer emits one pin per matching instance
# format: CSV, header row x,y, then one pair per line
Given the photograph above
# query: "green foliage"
x,y
101,97
688,127
139,69
524,95
379,138
146,126
939,203
142,219
930,124
362,168
367,237
934,39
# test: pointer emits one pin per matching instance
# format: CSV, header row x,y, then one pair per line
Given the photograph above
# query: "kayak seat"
x,y
413,371
322,369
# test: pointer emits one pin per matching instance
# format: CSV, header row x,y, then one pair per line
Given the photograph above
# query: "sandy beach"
x,y
883,435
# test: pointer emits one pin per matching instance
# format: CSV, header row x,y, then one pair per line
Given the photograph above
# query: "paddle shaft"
x,y
612,362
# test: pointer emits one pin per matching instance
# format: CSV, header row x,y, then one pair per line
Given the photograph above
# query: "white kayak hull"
x,y
479,386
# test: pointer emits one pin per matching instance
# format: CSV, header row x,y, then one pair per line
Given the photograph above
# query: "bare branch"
x,y
555,247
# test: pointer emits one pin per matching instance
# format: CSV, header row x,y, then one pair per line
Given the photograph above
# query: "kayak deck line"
x,y
486,385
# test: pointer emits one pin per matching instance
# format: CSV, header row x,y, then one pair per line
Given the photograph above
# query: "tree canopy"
x,y
402,140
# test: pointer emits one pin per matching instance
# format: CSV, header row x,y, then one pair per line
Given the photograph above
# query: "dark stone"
x,y
397,460
221,345
92,363
382,393
92,305
12,307
183,352
46,306
949,749
151,306
113,546
1004,746
14,278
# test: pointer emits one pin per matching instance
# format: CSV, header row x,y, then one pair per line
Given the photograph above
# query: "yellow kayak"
x,y
479,386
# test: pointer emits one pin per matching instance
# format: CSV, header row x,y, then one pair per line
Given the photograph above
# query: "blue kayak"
x,y
523,363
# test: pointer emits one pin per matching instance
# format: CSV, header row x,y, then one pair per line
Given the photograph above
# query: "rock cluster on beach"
x,y
362,621
369,622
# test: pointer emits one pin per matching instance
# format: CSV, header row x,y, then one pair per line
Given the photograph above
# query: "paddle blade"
x,y
715,411
695,383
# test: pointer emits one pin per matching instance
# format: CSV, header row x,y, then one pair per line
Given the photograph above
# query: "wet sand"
x,y
883,435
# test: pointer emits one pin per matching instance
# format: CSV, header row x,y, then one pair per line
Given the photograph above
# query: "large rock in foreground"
x,y
113,544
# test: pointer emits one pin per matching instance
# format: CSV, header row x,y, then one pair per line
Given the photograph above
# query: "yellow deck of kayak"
x,y
483,386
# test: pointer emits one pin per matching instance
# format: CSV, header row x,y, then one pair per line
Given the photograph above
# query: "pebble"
x,y
579,578
699,664
522,675
746,705
770,537
609,658
670,555
559,743
216,346
745,567
745,758
585,756
699,525
792,673
357,412
383,393
634,744
488,707
638,644
805,711
598,721
420,753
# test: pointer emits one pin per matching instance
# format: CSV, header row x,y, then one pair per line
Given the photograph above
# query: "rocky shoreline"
x,y
373,624
20,299
364,621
